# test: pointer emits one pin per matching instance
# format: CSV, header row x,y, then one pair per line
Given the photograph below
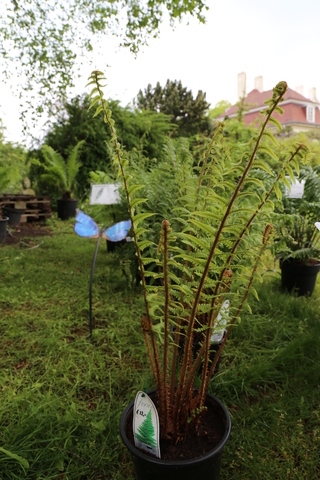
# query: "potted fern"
x,y
61,174
208,252
296,240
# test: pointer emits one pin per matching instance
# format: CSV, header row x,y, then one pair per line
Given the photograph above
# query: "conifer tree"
x,y
188,113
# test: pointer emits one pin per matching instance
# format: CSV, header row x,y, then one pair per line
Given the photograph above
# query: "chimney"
x,y
258,83
242,91
300,89
312,94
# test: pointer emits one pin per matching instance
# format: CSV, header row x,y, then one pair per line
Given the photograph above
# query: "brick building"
x,y
300,113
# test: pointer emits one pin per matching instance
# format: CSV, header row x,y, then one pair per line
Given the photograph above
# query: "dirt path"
x,y
25,231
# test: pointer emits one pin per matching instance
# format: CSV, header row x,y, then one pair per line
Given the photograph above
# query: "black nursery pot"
x,y
204,467
3,228
14,215
299,277
66,208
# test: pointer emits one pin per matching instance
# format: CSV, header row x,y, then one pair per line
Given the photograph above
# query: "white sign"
x,y
145,426
297,189
219,329
105,194
317,224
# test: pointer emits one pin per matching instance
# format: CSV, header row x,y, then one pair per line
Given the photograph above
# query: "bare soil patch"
x,y
24,232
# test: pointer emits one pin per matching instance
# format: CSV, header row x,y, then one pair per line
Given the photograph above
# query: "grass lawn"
x,y
62,395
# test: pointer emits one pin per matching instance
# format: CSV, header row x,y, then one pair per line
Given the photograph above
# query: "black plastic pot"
x,y
112,246
66,208
299,277
14,215
206,467
3,228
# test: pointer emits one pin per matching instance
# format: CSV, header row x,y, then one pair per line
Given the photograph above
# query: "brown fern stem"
x,y
227,264
236,315
107,119
188,344
165,232
145,329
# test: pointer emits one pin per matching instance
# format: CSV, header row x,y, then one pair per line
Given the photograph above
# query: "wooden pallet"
x,y
35,208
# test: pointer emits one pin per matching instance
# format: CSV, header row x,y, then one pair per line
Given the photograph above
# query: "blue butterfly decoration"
x,y
85,226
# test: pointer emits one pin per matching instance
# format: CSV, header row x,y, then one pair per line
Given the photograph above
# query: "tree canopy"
x,y
190,114
141,132
13,166
40,40
219,108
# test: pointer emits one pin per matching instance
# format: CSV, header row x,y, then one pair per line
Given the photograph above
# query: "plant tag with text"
x,y
146,424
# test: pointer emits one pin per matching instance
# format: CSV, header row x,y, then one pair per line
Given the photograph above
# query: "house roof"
x,y
293,104
292,113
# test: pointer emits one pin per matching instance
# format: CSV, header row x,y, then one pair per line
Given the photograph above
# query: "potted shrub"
x,y
207,253
61,174
296,240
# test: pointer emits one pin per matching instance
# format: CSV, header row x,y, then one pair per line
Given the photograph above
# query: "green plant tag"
x,y
146,424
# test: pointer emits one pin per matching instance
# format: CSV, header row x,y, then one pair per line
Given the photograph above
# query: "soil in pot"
x,y
299,276
199,456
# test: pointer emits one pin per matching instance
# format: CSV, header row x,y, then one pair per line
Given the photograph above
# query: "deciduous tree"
x,y
40,40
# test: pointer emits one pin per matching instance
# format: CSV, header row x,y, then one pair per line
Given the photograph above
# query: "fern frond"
x,y
73,164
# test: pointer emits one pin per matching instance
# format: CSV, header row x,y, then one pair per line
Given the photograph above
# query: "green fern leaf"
x,y
275,122
263,166
99,109
269,135
140,217
279,110
277,191
255,181
268,151
290,172
192,240
134,188
137,201
144,244
73,165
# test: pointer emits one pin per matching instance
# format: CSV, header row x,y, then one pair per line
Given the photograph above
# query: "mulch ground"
x,y
25,232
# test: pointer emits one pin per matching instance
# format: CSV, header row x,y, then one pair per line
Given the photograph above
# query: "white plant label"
x,y
105,194
317,224
219,329
146,429
297,189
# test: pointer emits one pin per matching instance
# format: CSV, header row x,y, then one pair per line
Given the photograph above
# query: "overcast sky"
x,y
278,39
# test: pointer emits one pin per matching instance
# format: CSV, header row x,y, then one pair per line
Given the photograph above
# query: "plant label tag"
x,y
146,428
105,194
221,322
297,189
317,224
